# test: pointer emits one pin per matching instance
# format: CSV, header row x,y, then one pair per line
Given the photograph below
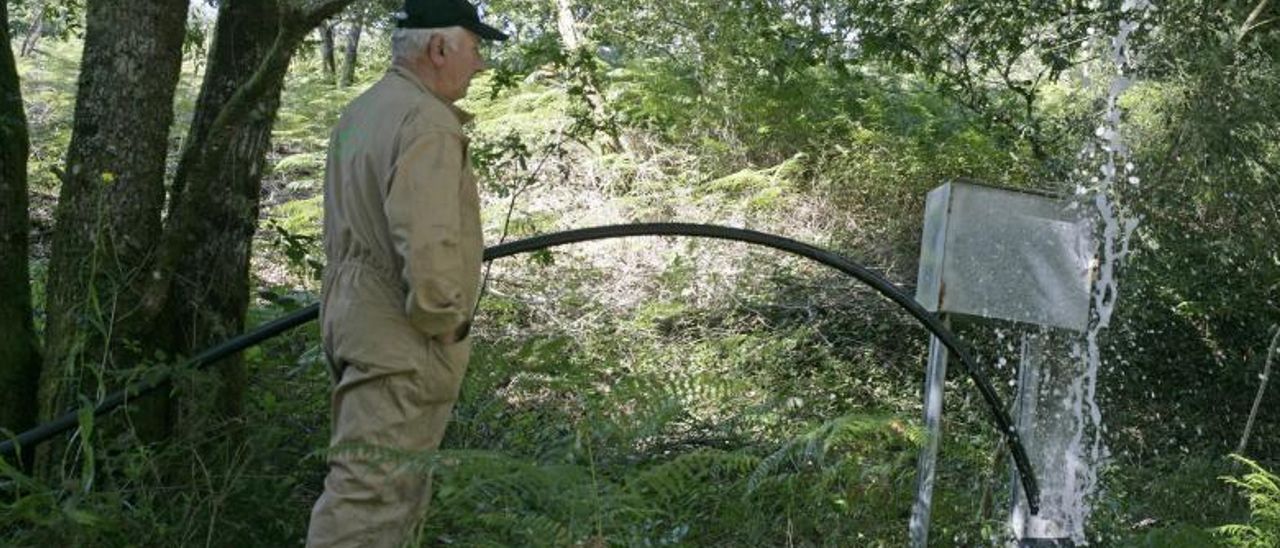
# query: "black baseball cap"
x,y
430,14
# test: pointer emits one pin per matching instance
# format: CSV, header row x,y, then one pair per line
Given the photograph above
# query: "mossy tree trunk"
x,y
19,355
355,28
326,50
214,209
122,287
112,196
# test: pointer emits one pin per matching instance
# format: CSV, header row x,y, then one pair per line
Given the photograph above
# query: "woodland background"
x,y
160,171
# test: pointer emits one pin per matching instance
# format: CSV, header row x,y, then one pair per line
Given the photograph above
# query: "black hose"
x,y
881,285
71,419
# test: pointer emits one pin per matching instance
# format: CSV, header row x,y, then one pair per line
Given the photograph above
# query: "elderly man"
x,y
403,242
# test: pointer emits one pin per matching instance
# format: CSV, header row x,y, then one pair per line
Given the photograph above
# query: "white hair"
x,y
408,44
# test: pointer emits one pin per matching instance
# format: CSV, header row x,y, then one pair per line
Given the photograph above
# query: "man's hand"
x,y
456,335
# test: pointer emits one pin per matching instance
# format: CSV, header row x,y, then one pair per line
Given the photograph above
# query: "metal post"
x,y
926,466
1025,407
1044,418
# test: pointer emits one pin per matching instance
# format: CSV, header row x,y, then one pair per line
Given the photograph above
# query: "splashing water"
x,y
1106,158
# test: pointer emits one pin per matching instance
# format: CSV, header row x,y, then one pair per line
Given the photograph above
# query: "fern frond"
x,y
692,472
530,529
847,435
1259,486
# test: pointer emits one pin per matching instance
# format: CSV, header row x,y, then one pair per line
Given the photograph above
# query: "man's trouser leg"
x,y
367,503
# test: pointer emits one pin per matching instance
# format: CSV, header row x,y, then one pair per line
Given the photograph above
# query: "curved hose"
x,y
881,285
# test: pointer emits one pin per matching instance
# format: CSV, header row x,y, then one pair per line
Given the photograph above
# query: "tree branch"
x,y
317,12
295,23
1262,387
1249,21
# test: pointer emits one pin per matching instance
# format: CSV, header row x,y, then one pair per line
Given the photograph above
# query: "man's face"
x,y
456,66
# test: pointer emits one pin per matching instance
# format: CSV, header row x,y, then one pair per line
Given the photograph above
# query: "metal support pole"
x,y
1044,418
926,466
1025,410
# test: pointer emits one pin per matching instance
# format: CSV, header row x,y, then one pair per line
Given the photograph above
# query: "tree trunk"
x,y
326,51
108,216
243,35
353,49
19,357
571,37
567,24
214,205
815,17
33,31
204,290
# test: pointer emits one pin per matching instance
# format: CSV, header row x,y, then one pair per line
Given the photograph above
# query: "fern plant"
x,y
1262,489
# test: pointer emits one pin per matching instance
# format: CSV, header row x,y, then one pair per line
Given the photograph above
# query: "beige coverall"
x,y
404,248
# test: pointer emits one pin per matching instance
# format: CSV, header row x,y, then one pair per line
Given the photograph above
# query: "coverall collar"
x,y
462,115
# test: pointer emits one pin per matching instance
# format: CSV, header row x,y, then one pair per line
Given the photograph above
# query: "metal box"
x,y
1006,254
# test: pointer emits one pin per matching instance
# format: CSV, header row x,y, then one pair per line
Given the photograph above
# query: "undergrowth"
x,y
661,392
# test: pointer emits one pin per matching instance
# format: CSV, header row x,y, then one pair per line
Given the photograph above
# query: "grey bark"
x,y
354,30
33,31
214,204
1250,22
326,50
1262,389
112,195
567,24
204,287
19,355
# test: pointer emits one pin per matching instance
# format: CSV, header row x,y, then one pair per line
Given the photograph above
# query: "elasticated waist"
x,y
383,272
